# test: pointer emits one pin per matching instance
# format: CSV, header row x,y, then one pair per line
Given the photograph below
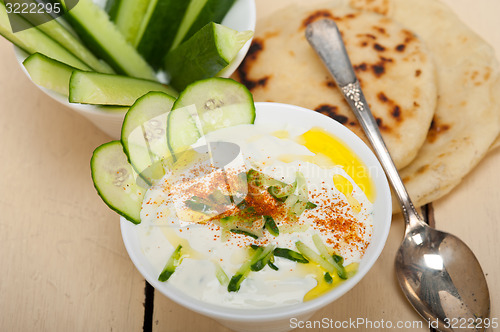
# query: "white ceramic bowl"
x,y
241,17
278,319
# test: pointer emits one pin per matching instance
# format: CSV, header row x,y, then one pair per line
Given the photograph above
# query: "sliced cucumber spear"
x,y
158,29
198,14
33,40
115,181
144,136
106,89
60,33
49,73
127,16
204,55
205,106
101,36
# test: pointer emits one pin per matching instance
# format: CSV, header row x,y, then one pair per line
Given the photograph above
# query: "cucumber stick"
x,y
172,263
144,136
92,24
112,7
33,40
127,16
158,29
200,13
49,73
54,29
205,106
205,54
115,181
108,89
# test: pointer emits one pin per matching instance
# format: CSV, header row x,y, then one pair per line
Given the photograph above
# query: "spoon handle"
x,y
326,40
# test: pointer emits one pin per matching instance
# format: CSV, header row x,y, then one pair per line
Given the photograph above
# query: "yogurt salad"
x,y
239,208
284,221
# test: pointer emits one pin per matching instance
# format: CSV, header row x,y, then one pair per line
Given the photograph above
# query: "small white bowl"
x,y
278,319
241,17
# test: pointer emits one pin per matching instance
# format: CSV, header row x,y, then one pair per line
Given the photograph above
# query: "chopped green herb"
x,y
271,226
172,263
290,254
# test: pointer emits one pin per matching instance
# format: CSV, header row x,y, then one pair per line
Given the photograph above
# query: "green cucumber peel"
x,y
328,278
171,265
290,255
264,259
242,232
243,271
314,257
334,262
271,226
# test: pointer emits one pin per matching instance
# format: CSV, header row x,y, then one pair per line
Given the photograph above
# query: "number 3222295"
x,y
33,8
471,323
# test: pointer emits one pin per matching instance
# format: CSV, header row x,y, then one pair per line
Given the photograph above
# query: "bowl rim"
x,y
383,204
246,8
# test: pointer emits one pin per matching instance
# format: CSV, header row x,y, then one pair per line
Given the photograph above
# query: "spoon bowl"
x,y
442,279
438,273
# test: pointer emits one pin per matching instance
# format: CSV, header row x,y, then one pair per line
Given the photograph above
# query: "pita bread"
x,y
467,119
394,68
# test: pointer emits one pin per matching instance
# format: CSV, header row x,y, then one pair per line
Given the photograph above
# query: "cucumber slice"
x,y
205,54
198,14
172,263
112,7
216,103
49,73
107,89
54,29
93,26
33,40
159,28
127,15
144,137
115,181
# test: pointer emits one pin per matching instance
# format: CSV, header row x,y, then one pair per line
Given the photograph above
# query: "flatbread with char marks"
x,y
393,66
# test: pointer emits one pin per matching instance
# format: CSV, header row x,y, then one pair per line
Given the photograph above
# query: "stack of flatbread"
x,y
432,84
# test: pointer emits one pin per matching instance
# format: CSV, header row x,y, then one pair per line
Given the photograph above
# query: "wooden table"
x,y
64,266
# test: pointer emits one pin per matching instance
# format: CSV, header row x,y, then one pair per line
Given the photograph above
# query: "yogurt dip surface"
x,y
337,183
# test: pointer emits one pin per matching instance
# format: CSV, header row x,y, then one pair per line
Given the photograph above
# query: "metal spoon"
x,y
437,272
